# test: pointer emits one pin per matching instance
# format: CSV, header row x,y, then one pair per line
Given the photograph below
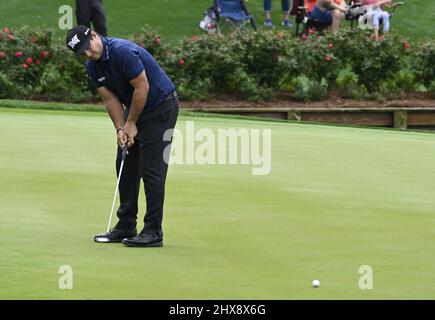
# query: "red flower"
x,y
330,45
11,37
328,58
6,30
37,62
2,55
181,62
25,66
157,40
18,54
44,54
311,30
304,36
407,45
29,61
194,38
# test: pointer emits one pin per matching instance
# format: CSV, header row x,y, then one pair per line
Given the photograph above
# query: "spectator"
x,y
285,5
378,15
330,12
88,11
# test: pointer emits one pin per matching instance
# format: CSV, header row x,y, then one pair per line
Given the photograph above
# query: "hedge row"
x,y
252,65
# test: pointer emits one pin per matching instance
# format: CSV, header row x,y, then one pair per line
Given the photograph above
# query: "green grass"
x,y
336,199
180,18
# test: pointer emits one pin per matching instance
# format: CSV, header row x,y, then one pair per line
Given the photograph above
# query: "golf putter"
x,y
124,154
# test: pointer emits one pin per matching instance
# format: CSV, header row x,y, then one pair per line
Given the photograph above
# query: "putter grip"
x,y
124,151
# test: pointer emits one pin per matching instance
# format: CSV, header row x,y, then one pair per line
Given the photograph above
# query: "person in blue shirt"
x,y
142,103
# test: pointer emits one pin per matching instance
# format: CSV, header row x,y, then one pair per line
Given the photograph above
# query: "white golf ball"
x,y
316,283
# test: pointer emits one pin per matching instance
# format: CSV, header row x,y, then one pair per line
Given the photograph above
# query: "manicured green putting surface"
x,y
336,199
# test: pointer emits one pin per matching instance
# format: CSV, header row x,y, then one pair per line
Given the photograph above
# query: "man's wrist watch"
x,y
119,129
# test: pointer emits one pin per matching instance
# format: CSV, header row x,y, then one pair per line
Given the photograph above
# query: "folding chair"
x,y
354,12
234,14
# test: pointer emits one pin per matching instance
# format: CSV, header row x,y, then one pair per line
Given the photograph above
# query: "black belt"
x,y
172,96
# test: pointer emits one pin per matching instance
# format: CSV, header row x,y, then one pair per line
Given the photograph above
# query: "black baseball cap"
x,y
78,39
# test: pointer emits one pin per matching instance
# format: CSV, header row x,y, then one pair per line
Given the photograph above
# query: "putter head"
x,y
124,151
102,239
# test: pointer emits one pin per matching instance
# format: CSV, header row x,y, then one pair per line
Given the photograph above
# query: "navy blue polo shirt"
x,y
122,61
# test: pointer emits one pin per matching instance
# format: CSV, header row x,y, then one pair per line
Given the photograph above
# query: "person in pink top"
x,y
379,15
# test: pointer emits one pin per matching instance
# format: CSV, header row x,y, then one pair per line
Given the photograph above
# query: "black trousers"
x,y
88,11
146,161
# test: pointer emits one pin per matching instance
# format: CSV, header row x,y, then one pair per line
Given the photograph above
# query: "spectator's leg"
x,y
376,18
386,21
285,5
267,11
337,16
99,17
267,6
83,13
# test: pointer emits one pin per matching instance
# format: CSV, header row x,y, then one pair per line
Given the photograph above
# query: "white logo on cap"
x,y
86,33
74,41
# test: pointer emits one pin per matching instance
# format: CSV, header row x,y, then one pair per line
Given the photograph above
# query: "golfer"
x,y
142,102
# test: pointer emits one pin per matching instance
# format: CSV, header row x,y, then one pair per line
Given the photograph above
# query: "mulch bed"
x,y
415,100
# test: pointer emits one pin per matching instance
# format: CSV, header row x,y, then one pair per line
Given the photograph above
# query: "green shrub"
x,y
346,77
402,82
24,53
423,62
305,89
265,56
198,90
432,89
252,65
347,81
406,80
318,58
7,87
150,39
377,62
64,79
